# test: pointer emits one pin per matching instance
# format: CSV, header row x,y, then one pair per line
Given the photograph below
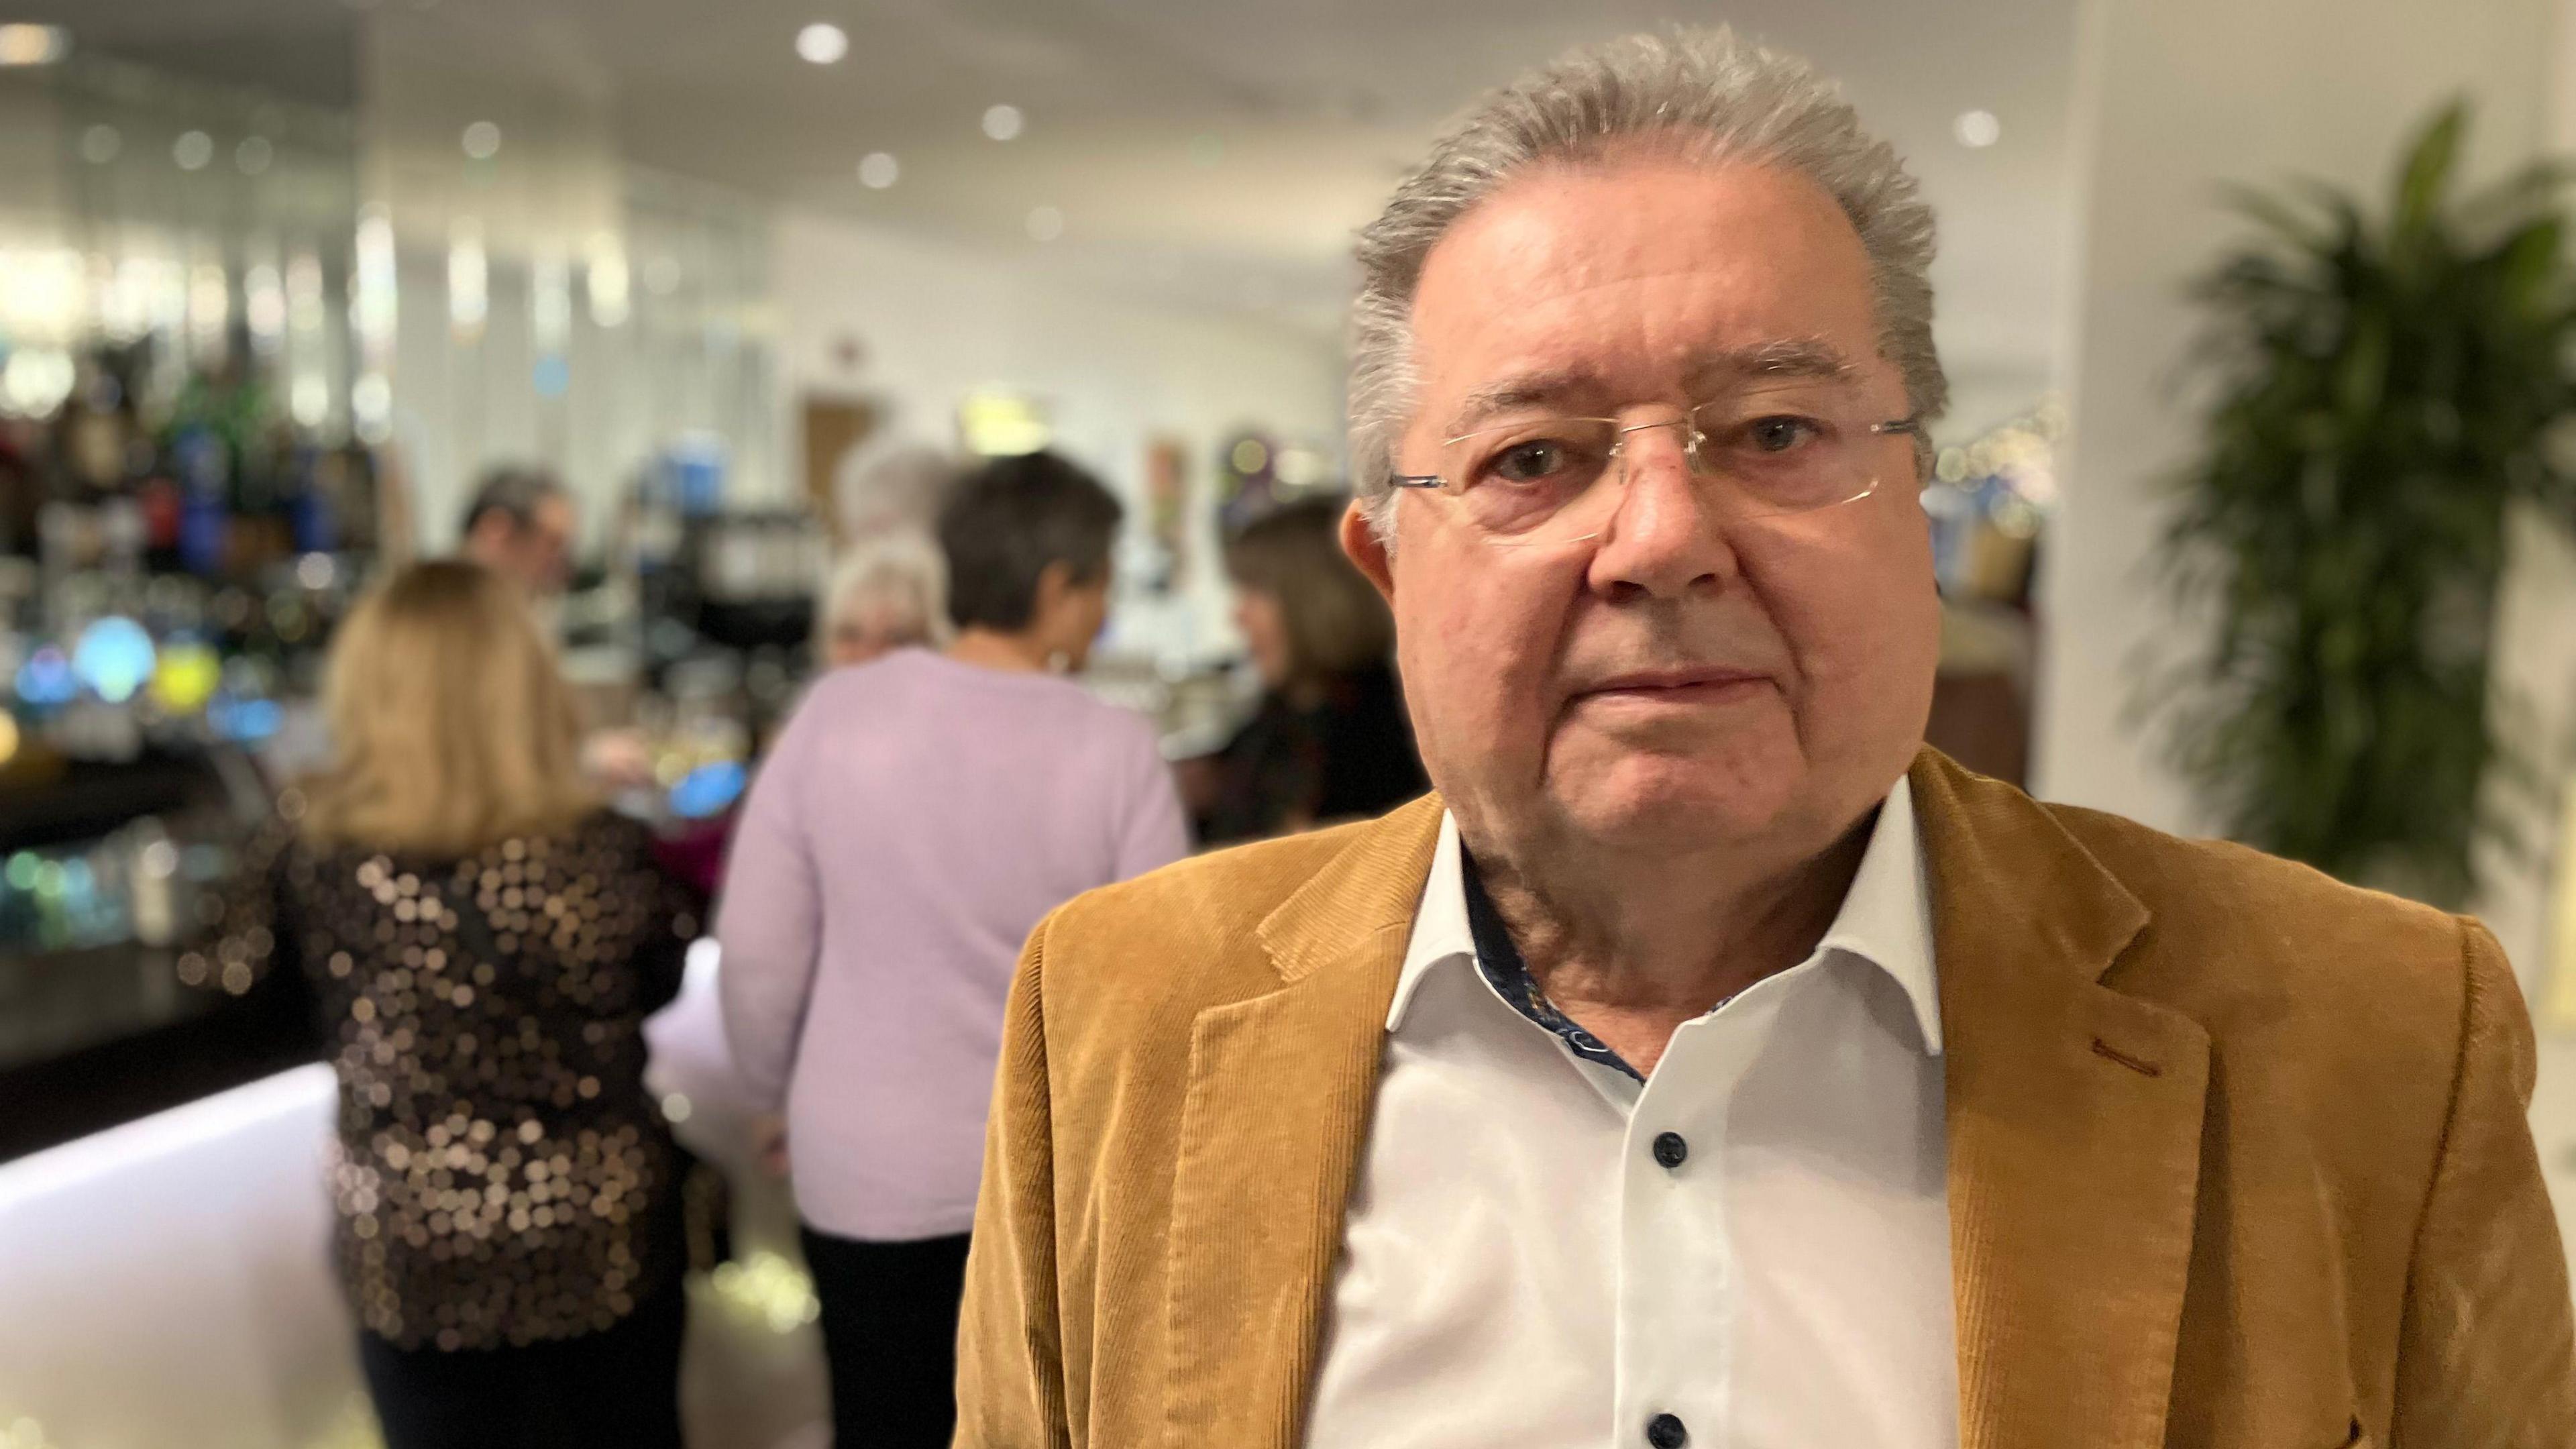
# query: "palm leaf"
x,y
2426,174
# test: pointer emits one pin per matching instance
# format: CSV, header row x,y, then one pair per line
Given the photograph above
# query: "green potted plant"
x,y
2385,390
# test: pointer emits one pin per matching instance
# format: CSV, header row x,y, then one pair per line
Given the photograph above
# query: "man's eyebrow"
x,y
1706,372
1805,357
1530,389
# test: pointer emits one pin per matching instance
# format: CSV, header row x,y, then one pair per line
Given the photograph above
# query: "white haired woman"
x,y
888,592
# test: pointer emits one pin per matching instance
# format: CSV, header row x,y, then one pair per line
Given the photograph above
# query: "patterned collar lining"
x,y
1504,970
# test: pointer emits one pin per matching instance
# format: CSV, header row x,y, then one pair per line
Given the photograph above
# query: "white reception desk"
x,y
167,1284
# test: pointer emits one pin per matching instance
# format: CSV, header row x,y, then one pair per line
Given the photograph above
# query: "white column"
x,y
2535,665
2535,654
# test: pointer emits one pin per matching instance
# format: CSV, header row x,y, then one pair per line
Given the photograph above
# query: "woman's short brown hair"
x,y
1335,620
450,719
1008,522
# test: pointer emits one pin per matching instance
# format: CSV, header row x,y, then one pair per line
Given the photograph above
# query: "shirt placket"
x,y
1678,1279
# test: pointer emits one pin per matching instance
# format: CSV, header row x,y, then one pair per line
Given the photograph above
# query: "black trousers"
x,y
890,1331
615,1389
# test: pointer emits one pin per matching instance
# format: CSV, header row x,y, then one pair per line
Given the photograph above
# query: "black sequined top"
x,y
502,1177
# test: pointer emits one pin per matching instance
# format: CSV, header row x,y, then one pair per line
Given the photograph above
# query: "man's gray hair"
x,y
1707,89
515,491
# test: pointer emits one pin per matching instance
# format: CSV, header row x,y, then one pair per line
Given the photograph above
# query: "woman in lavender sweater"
x,y
918,816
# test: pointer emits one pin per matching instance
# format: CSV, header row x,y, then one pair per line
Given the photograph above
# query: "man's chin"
x,y
1700,787
1675,810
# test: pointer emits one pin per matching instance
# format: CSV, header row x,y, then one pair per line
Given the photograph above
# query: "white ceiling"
x,y
1218,154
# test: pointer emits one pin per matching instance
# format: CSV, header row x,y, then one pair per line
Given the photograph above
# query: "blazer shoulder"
x,y
1188,932
2237,935
1223,894
2223,881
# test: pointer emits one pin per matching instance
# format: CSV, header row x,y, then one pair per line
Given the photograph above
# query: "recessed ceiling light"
x,y
1046,224
254,155
1977,130
33,44
1003,122
822,42
877,170
100,144
193,150
482,140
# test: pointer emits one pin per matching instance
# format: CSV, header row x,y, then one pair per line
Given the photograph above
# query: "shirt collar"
x,y
1885,918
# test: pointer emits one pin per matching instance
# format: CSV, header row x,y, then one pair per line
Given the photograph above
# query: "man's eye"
x,y
1780,434
1535,461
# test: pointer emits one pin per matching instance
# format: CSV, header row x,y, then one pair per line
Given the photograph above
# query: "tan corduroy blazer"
x,y
2237,1154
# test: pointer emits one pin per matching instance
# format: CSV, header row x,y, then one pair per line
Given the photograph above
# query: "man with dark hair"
x,y
521,526
1022,534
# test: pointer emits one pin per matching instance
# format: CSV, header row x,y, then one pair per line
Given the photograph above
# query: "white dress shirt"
x,y
1520,1267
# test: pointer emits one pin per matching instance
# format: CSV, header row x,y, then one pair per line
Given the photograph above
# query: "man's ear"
x,y
1367,551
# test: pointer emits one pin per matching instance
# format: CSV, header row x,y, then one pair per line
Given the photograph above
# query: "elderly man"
x,y
1708,1064
520,525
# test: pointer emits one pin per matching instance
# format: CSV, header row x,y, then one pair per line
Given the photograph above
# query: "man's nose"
x,y
1668,535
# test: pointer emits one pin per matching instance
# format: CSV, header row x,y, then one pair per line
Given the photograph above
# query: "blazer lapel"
x,y
1280,1092
2074,1117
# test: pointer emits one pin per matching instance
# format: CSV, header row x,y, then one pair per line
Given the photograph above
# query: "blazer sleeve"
x,y
2487,1353
1010,1342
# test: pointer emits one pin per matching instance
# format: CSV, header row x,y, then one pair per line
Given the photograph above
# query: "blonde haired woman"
x,y
485,942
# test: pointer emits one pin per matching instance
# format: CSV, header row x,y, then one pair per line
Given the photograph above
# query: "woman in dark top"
x,y
1330,741
485,943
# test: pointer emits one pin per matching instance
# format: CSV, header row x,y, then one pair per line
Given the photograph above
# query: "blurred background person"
x,y
1330,741
485,943
521,525
918,816
890,484
888,592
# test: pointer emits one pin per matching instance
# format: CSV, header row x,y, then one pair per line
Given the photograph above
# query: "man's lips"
x,y
1677,686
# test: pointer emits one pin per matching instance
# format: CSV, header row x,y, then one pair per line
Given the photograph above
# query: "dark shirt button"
x,y
1665,1431
1671,1151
